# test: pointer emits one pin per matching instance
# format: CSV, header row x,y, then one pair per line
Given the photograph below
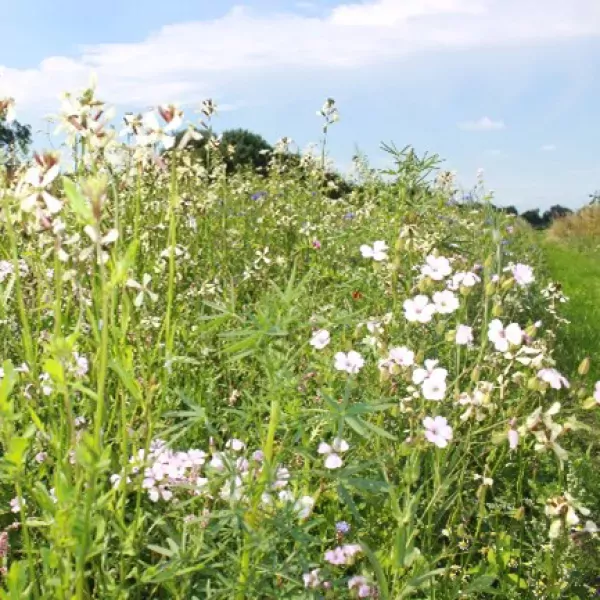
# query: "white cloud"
x,y
189,61
548,148
483,124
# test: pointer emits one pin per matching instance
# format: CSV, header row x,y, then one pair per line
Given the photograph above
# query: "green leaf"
x,y
384,592
55,370
518,581
378,431
168,552
483,583
77,201
127,379
420,581
7,383
358,426
16,451
367,485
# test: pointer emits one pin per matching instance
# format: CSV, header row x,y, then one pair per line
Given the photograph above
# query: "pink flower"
x,y
437,431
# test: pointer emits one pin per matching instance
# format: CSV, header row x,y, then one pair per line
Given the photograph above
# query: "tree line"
x,y
243,149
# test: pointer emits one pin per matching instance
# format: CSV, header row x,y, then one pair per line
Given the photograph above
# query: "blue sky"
x,y
510,86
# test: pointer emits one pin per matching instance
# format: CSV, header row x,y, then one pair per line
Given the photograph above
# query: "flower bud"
x,y
584,366
497,310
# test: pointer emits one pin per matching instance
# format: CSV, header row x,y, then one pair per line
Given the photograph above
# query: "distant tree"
x,y
15,140
595,197
534,218
556,212
511,210
250,149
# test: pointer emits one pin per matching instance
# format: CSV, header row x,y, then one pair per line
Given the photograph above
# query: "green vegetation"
x,y
578,271
224,384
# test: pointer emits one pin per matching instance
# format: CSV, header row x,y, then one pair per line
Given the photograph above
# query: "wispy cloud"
x,y
187,61
483,124
548,148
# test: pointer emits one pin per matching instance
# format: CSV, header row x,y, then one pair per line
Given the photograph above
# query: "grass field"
x,y
578,270
224,384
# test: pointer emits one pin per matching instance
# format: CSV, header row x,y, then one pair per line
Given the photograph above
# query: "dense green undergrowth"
x,y
235,386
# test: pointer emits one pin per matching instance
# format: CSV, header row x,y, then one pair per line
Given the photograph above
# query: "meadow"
x,y
245,385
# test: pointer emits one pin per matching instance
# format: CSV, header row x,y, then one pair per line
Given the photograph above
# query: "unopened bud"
x,y
584,366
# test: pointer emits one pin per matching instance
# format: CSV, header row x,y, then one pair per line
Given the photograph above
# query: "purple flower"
x,y
349,215
342,527
258,195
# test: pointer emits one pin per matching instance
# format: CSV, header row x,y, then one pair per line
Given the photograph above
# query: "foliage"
x,y
580,228
234,386
545,220
15,139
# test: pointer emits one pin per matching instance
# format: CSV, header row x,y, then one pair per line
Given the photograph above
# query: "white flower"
x,y
434,389
523,274
16,504
419,309
597,392
484,480
311,579
34,185
463,279
513,438
143,290
93,234
436,267
235,445
320,339
403,356
352,362
333,461
376,252
464,335
82,364
445,302
502,337
431,371
590,527
432,379
437,431
332,452
563,511
553,378
303,506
